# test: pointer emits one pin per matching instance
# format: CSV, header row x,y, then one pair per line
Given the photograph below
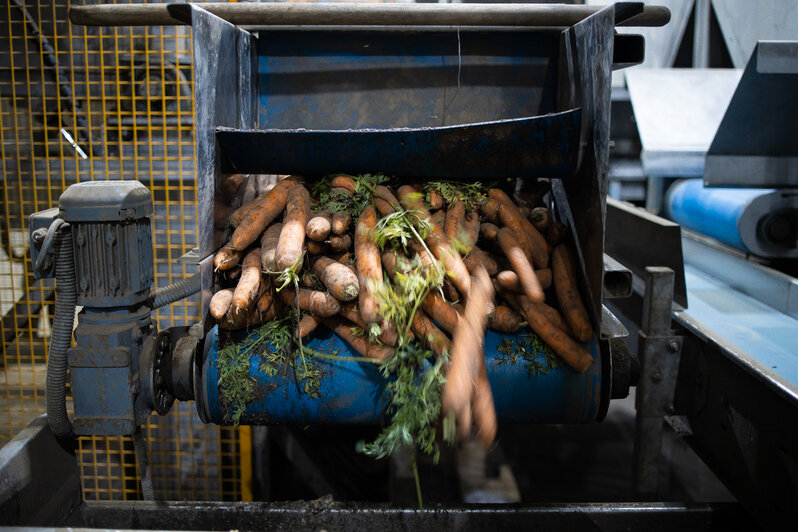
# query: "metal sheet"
x,y
743,23
678,112
526,147
355,79
755,142
353,392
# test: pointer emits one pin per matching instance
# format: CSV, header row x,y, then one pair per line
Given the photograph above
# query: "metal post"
x,y
701,34
659,352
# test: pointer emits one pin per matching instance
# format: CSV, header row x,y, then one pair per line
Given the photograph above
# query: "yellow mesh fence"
x,y
81,104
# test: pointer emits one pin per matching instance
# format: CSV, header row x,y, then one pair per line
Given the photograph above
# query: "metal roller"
x,y
762,222
353,392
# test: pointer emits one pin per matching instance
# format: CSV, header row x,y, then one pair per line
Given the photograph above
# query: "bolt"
x,y
670,409
656,376
673,346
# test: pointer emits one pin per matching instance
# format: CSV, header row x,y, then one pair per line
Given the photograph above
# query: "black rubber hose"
x,y
176,291
61,334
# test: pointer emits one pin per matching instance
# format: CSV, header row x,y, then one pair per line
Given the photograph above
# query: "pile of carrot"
x,y
507,263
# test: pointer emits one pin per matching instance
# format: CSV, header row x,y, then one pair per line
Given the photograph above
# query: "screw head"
x,y
673,346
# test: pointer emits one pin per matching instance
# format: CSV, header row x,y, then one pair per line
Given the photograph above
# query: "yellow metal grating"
x,y
82,104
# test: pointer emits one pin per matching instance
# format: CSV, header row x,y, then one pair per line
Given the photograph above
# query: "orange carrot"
x,y
248,285
319,226
532,242
384,200
504,320
472,224
360,344
520,265
226,258
479,258
466,352
340,222
440,311
339,279
435,200
261,216
220,303
343,181
556,233
564,276
541,218
292,236
268,246
339,243
307,325
490,210
316,248
267,296
508,280
369,267
429,334
544,276
321,304
455,220
488,231
230,185
483,410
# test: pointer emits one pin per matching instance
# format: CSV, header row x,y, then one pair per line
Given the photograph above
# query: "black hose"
x,y
176,291
61,335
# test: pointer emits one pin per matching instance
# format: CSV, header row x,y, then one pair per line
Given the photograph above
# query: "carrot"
x,y
490,210
483,410
221,214
479,257
241,213
472,224
556,233
344,258
438,219
532,242
455,220
230,185
435,200
360,344
488,231
351,313
504,320
340,222
466,352
541,218
316,248
449,291
564,276
247,289
319,226
292,236
369,267
453,264
268,246
508,280
321,304
307,325
267,297
339,243
388,334
520,264
339,279
249,317
261,215
389,262
429,334
560,342
440,311
220,303
343,181
384,200
226,258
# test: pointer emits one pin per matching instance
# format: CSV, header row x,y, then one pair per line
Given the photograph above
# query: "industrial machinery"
x,y
409,90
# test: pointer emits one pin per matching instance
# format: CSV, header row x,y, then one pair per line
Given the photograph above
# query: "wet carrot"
x,y
573,309
292,236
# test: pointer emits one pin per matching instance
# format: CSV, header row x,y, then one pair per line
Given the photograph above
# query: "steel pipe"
x,y
356,14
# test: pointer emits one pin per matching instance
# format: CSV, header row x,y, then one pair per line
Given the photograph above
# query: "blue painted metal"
x,y
353,392
715,212
541,146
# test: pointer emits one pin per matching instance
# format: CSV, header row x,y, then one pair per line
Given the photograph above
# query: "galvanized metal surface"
x,y
638,239
743,23
353,392
764,107
617,279
658,352
224,91
354,14
544,146
677,113
39,478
